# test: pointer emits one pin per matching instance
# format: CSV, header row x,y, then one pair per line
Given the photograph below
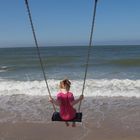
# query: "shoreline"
x,y
55,131
104,118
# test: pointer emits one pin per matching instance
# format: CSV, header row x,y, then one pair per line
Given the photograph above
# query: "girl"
x,y
65,100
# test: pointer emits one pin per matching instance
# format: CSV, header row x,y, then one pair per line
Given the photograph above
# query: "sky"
x,y
68,22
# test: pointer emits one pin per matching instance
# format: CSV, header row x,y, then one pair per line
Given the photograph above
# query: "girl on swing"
x,y
65,100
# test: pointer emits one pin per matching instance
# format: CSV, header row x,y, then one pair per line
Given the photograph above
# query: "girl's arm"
x,y
77,100
56,102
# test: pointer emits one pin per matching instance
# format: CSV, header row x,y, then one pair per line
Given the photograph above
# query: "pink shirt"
x,y
67,112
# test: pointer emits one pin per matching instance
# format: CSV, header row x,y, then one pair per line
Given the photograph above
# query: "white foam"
x,y
4,68
103,87
27,101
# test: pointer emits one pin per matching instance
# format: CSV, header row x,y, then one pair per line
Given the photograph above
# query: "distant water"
x,y
106,62
113,71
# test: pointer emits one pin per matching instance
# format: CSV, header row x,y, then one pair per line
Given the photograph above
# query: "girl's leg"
x,y
67,124
73,124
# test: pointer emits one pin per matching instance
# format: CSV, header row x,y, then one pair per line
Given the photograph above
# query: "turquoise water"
x,y
106,62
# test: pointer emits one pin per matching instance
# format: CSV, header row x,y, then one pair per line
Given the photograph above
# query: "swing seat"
x,y
56,117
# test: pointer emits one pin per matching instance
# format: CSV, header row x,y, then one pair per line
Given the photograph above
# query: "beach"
x,y
111,107
29,131
105,120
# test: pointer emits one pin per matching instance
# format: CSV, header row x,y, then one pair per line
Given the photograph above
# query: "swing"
x,y
56,115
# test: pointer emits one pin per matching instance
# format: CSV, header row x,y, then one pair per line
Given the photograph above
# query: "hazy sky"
x,y
68,22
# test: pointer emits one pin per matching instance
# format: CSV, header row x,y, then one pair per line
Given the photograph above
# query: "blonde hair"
x,y
65,84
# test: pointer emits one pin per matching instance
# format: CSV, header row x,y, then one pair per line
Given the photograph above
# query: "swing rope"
x,y
39,54
89,50
38,50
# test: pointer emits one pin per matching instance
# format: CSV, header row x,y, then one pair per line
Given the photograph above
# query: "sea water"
x,y
114,71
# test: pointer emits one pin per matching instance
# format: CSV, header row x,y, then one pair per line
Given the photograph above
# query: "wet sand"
x,y
36,131
103,119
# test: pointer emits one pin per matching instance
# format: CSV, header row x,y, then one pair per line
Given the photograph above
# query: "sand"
x,y
55,131
118,119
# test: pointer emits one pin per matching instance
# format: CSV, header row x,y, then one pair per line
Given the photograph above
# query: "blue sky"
x,y
68,22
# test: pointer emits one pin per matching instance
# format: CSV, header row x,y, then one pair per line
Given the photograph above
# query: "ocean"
x,y
113,73
106,62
